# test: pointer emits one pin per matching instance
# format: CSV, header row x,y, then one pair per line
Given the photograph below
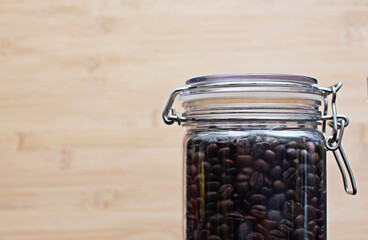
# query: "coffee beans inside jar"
x,y
255,186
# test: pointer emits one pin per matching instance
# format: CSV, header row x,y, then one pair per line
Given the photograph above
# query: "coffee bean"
x,y
279,186
203,235
214,161
211,150
258,199
243,230
276,201
234,216
311,212
291,194
275,172
256,180
279,151
274,215
247,171
290,209
216,219
224,152
226,191
241,187
212,186
276,235
261,229
225,205
292,144
217,169
242,177
243,161
255,236
243,147
299,221
300,234
290,177
213,237
286,225
259,211
270,156
266,191
257,150
261,166
291,153
223,230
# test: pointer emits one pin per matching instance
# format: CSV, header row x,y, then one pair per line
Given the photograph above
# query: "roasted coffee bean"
x,y
303,156
311,212
276,201
275,172
241,187
290,177
211,196
217,169
213,237
226,191
211,150
247,171
225,205
255,236
243,147
300,233
259,211
313,158
203,235
257,150
274,215
279,151
214,161
261,166
258,199
290,209
270,156
243,231
291,153
286,225
234,216
276,235
292,144
256,180
243,161
269,224
310,146
242,177
261,229
279,186
291,194
266,191
224,153
216,219
223,230
299,221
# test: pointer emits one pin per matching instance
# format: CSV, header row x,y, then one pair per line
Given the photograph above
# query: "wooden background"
x,y
84,153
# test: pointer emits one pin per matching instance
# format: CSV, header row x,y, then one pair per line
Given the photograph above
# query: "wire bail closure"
x,y
333,142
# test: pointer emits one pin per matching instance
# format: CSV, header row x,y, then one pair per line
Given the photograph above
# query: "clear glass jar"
x,y
254,159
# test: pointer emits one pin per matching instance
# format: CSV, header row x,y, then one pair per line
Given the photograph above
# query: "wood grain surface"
x,y
84,153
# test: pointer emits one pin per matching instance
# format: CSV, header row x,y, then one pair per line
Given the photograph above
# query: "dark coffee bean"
x,y
270,156
279,186
274,215
317,230
243,161
291,194
210,227
261,229
274,143
311,225
243,231
275,172
216,219
214,161
290,209
290,177
266,144
258,199
213,237
285,164
276,201
211,196
286,225
276,235
217,169
247,205
259,211
300,234
257,150
303,156
223,230
203,235
311,211
266,191
228,163
261,166
312,179
295,163
226,191
225,206
241,187
269,224
313,158
256,180
247,171
212,186
255,236
231,171
211,150
242,177
279,150
291,144
291,153
314,201
234,216
224,152
243,147
299,221
310,146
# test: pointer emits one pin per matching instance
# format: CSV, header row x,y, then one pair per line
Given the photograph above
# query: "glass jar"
x,y
255,156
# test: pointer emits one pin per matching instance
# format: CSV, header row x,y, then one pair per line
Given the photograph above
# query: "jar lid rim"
x,y
259,77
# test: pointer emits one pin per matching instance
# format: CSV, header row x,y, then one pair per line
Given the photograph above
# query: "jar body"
x,y
254,183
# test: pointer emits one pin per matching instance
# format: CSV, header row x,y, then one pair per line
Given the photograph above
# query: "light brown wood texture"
x,y
84,153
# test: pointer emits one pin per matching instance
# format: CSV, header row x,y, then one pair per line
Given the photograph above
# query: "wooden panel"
x,y
84,152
